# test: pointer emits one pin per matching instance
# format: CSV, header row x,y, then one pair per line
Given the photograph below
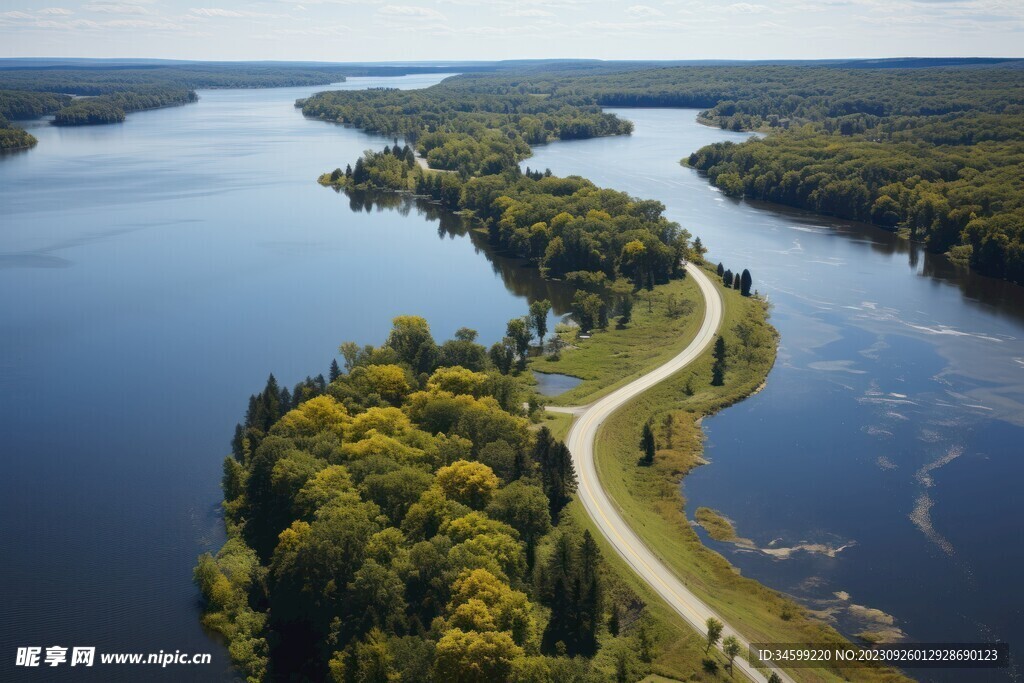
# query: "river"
x,y
153,272
877,469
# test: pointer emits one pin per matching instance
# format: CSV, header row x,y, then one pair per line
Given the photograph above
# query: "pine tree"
x,y
647,445
360,175
745,282
727,278
697,251
335,371
557,474
720,270
718,369
736,281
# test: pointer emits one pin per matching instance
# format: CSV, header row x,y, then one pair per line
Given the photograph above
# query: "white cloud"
x,y
115,8
16,15
212,12
527,12
57,11
744,8
410,11
644,11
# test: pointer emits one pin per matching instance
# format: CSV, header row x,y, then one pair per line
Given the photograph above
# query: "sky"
x,y
398,30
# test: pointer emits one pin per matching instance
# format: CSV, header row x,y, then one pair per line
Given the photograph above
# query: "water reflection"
x,y
520,277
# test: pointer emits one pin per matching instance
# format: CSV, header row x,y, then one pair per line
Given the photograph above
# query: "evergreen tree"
x,y
736,281
360,175
718,369
720,270
558,476
698,250
727,278
745,282
335,371
647,445
238,443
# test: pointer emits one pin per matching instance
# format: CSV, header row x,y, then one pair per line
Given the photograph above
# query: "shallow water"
x,y
553,383
887,441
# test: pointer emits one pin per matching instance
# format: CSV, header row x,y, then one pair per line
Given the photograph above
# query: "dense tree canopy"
x,y
370,538
473,133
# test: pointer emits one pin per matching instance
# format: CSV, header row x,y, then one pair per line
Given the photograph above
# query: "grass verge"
x,y
650,500
663,322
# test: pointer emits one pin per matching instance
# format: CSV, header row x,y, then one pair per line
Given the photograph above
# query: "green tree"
x,y
518,330
503,355
410,337
731,648
586,309
557,473
469,483
539,318
719,366
647,445
525,508
745,282
474,657
374,661
714,632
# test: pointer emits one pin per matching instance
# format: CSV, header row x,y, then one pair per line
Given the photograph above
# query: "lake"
x,y
879,462
154,272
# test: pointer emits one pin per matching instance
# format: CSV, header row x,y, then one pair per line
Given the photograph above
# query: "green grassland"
x,y
618,355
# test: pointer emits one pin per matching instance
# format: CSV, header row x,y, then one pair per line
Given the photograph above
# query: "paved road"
x,y
600,507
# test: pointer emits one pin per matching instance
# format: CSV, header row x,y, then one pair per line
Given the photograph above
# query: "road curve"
x,y
606,516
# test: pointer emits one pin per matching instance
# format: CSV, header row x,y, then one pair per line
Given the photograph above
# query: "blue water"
x,y
151,275
888,436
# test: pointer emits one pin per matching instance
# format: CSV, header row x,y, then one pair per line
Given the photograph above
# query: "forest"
x,y
934,152
106,95
16,104
473,133
568,227
400,520
113,107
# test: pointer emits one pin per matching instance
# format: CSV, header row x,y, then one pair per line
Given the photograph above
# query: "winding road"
x,y
603,511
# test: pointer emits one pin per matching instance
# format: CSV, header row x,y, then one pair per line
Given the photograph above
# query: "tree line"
x,y
399,520
84,111
470,132
934,152
15,104
570,228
